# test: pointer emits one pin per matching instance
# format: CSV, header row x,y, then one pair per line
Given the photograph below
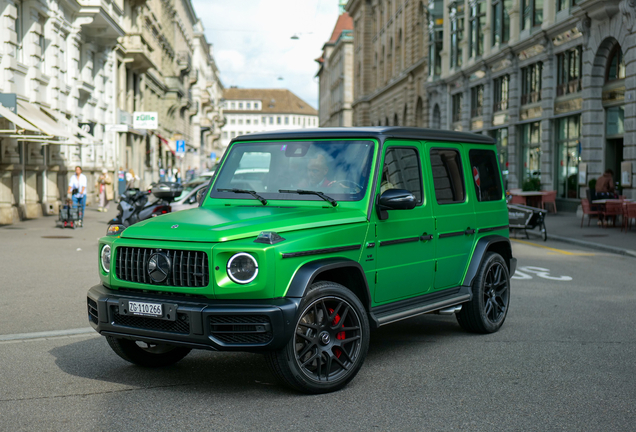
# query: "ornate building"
x,y
72,73
335,75
553,82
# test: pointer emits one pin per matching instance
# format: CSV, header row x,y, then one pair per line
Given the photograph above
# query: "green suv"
x,y
306,240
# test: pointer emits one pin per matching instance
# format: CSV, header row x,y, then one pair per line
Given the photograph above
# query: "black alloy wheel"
x,y
327,340
330,341
488,309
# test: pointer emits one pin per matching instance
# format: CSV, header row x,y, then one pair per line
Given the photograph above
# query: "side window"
x,y
447,176
485,175
402,170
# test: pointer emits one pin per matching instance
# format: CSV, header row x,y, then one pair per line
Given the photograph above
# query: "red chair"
x,y
629,213
612,209
549,198
589,211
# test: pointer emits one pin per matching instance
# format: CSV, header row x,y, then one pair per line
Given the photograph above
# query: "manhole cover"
x,y
57,237
595,235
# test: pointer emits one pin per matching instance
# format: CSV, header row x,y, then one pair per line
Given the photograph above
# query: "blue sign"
x,y
213,155
180,146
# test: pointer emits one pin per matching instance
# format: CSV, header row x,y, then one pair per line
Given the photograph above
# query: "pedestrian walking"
x,y
131,178
77,190
104,187
121,184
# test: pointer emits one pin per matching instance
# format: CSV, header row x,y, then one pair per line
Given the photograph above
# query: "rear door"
x,y
453,211
491,213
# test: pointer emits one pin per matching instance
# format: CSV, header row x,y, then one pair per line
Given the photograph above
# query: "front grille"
x,y
241,329
189,268
180,325
92,310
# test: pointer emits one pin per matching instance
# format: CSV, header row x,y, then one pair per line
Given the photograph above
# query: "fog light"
x,y
105,255
242,268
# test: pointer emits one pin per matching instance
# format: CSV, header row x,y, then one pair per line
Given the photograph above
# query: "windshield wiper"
x,y
253,193
331,201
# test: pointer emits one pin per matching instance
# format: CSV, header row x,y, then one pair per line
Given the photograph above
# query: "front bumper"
x,y
222,325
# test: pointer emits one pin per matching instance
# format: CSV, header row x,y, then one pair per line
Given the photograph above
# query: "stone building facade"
x,y
335,76
390,67
257,110
553,82
72,73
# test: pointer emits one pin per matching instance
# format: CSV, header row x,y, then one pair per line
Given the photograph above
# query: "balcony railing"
x,y
477,111
500,106
569,87
529,98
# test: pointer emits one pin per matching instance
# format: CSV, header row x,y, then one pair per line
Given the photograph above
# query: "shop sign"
x,y
145,120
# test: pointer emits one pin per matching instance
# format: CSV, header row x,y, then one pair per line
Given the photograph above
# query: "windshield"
x,y
339,169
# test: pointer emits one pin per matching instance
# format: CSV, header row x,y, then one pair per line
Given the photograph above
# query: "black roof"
x,y
379,132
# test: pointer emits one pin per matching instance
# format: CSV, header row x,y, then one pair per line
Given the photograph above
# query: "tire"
x,y
544,232
487,310
146,355
330,341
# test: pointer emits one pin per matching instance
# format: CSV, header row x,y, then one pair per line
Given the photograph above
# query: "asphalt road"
x,y
564,360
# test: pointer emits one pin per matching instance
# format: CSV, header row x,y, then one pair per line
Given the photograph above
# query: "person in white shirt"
x,y
77,188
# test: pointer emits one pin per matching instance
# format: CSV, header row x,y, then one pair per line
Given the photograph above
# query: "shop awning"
x,y
17,120
172,146
60,118
48,126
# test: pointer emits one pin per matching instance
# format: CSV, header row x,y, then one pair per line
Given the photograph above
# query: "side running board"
x,y
397,311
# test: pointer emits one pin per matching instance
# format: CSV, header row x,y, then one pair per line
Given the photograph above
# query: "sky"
x,y
253,46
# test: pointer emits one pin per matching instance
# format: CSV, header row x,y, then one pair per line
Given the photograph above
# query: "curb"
x,y
591,245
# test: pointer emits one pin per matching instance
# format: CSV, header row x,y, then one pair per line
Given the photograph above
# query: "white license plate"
x,y
148,309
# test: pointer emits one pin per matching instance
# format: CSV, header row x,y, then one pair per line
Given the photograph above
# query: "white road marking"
x,y
539,271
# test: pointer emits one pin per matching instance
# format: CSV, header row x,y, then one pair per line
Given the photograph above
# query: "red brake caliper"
x,y
341,335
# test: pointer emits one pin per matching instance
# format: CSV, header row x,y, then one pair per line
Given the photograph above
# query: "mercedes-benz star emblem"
x,y
158,267
174,226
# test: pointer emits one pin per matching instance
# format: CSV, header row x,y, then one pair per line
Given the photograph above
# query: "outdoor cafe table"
x,y
601,202
533,198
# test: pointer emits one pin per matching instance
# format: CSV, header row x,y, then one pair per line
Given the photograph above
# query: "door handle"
x,y
425,237
469,231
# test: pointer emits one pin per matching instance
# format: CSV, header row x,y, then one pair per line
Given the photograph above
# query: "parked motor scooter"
x,y
134,206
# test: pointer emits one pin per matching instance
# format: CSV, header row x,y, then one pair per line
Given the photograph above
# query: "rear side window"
x,y
486,176
402,170
447,176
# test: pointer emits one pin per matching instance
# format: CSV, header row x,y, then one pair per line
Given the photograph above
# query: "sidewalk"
x,y
566,227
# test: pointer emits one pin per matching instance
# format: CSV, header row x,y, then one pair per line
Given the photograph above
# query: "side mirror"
x,y
395,199
201,195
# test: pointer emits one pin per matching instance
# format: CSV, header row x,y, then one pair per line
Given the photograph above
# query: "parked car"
x,y
342,231
188,199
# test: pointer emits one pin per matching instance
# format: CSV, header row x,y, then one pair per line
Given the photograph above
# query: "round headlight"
x,y
106,258
242,268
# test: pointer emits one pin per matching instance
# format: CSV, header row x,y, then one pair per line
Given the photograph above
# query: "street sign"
x,y
213,155
180,147
145,120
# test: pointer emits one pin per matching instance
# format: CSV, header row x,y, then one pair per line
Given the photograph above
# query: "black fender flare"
x,y
483,245
310,271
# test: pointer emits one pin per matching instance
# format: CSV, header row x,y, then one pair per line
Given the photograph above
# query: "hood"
x,y
220,224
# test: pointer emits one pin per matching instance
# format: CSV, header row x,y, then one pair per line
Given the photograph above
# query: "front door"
x,y
453,210
405,254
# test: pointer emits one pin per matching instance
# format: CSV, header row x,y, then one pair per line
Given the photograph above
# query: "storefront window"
x,y
568,132
531,144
